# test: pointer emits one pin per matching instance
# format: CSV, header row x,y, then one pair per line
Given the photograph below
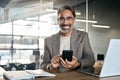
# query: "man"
x,y
67,38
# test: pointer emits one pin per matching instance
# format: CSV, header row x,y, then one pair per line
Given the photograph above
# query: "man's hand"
x,y
70,64
55,62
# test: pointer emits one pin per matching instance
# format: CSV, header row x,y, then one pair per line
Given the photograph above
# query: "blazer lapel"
x,y
73,41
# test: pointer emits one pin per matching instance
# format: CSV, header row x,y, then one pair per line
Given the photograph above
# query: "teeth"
x,y
66,27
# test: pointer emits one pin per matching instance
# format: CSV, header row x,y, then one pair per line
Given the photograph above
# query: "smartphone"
x,y
67,54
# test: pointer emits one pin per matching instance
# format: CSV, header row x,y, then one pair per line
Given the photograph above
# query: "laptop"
x,y
111,65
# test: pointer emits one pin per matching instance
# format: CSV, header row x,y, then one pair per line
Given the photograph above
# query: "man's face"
x,y
66,21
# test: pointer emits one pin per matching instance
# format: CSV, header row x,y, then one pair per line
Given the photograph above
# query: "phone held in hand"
x,y
67,54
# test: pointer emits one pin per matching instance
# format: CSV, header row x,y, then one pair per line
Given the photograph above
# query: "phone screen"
x,y
67,54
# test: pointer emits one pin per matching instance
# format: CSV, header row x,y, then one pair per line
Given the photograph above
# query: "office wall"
x,y
106,12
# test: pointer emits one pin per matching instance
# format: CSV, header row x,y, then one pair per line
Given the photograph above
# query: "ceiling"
x,y
19,9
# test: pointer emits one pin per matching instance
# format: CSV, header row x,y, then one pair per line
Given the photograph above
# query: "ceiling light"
x,y
77,13
101,26
51,10
81,29
89,21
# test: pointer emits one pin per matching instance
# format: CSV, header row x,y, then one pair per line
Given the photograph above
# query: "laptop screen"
x,y
111,66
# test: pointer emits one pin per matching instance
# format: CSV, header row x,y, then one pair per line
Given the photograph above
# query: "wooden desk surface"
x,y
73,75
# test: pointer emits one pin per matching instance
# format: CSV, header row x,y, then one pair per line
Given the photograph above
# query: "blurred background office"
x,y
25,23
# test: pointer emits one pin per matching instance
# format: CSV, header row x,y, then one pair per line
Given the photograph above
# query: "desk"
x,y
73,75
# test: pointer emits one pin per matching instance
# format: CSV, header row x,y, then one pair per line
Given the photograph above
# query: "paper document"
x,y
18,75
39,72
27,74
1,73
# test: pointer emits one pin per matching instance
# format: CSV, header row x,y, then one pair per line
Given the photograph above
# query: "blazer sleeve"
x,y
47,57
87,59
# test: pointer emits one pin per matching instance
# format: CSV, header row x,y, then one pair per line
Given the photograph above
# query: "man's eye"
x,y
69,18
61,18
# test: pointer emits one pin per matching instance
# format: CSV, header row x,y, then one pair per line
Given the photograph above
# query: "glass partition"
x,y
25,24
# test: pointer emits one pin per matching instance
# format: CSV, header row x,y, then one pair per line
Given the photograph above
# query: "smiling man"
x,y
67,38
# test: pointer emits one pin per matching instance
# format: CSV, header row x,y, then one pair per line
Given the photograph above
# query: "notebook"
x,y
111,65
17,75
40,73
1,73
26,74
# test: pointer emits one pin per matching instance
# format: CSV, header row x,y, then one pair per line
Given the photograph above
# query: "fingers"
x,y
62,61
56,57
64,64
74,59
69,64
55,61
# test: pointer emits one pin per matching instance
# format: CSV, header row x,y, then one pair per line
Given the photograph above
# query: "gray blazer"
x,y
79,43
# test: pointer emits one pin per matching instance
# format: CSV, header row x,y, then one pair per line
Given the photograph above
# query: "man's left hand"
x,y
70,64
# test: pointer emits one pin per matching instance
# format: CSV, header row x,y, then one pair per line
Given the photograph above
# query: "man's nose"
x,y
66,21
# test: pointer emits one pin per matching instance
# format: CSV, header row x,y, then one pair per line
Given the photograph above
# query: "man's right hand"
x,y
55,62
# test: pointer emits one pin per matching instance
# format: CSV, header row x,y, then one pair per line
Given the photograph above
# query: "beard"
x,y
66,31
66,28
